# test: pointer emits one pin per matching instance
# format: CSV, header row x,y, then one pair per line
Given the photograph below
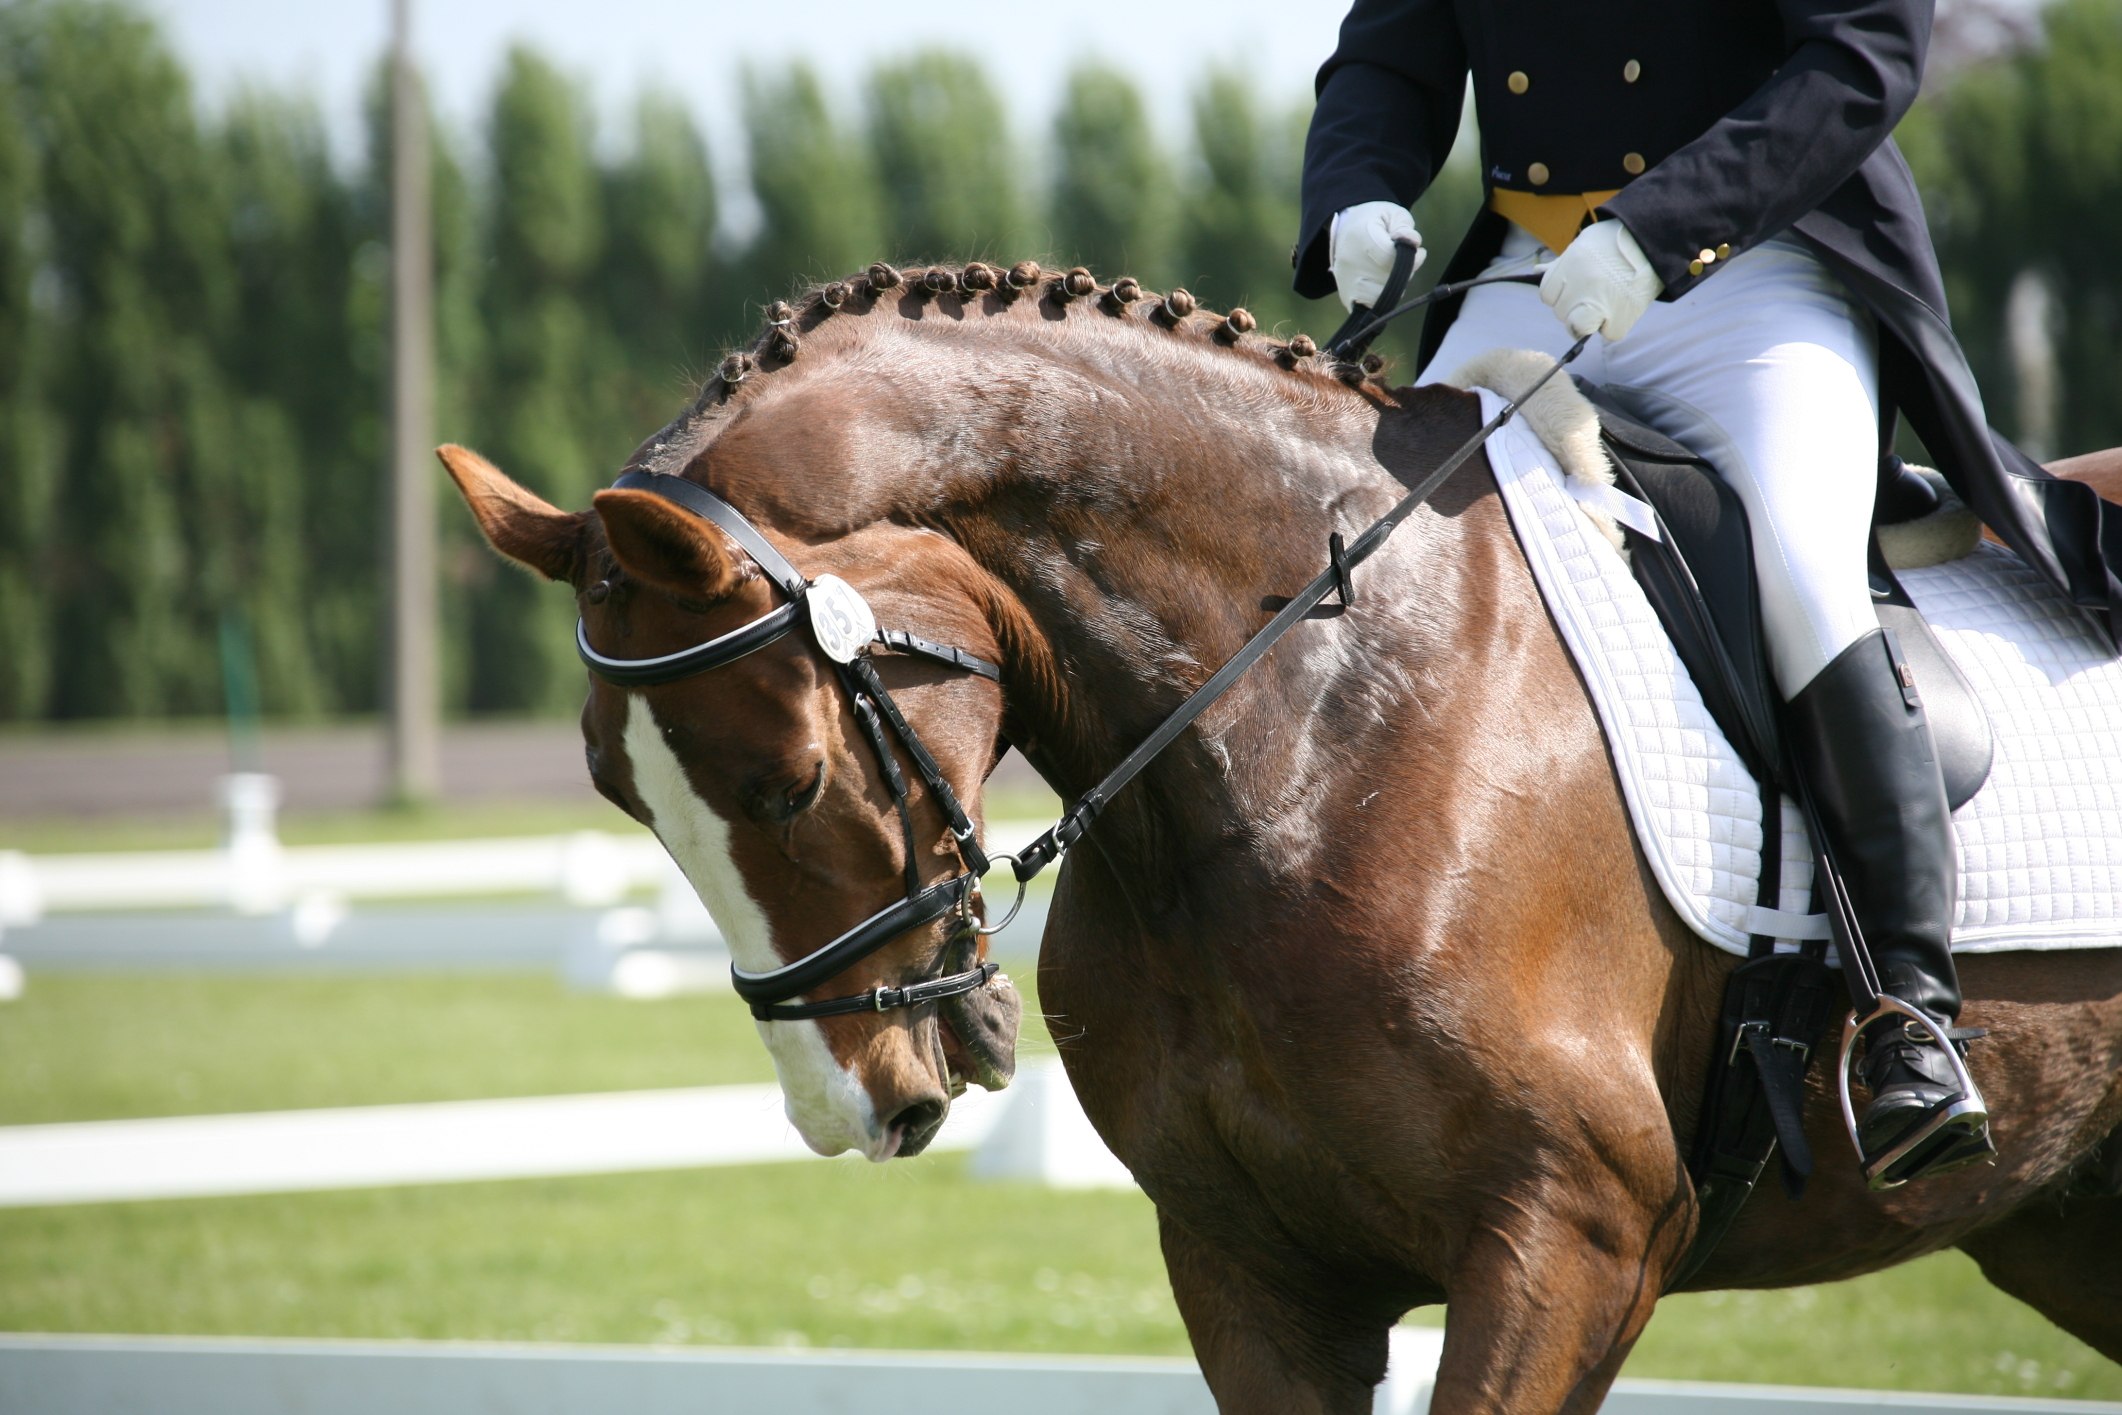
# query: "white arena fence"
x,y
108,1375
505,902
255,874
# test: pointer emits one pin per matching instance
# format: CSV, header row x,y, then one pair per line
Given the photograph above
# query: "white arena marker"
x,y
1043,1136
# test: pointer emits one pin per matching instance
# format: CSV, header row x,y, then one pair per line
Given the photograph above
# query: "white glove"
x,y
1360,250
1603,281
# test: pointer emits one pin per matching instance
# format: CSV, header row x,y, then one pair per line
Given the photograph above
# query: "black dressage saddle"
x,y
1700,579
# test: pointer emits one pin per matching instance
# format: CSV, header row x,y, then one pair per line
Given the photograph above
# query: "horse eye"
x,y
801,798
778,798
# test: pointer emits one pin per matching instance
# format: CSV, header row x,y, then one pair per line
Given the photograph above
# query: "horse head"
x,y
775,800
1054,480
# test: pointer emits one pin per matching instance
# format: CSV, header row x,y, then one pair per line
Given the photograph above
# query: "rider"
x,y
1715,184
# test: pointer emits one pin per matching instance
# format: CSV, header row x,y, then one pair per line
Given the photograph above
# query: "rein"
x,y
842,626
1362,324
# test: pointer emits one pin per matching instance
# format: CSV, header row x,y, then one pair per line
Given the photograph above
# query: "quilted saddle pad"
x,y
2040,847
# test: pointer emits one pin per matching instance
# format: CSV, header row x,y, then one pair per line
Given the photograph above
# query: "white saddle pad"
x,y
2040,846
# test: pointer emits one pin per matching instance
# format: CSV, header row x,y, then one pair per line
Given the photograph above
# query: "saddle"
x,y
1697,571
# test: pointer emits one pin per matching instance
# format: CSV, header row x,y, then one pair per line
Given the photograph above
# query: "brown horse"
x,y
1364,978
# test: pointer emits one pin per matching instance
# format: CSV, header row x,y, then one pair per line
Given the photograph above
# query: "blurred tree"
x,y
293,234
1240,209
2072,207
548,364
940,142
2020,160
1114,206
820,207
658,268
138,273
30,568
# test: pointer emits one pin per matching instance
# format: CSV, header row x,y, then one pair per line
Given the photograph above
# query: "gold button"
x,y
1632,163
1537,174
1705,255
1518,82
1724,251
1694,267
1631,71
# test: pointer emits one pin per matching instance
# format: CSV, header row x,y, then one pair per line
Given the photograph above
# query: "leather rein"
x,y
841,625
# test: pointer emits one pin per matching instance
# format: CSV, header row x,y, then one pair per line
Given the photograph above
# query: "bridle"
x,y
840,623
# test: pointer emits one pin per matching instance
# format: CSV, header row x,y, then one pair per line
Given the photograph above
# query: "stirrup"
x,y
1957,1133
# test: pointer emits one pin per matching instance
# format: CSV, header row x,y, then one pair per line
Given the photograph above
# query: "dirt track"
x,y
172,772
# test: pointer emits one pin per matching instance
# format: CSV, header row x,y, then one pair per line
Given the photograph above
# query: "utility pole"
x,y
415,695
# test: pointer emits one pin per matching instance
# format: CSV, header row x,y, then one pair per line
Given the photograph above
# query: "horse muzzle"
x,y
979,1033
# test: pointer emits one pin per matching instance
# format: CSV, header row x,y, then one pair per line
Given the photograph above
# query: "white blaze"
x,y
828,1106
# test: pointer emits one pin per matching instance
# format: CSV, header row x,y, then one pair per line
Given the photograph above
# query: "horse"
x,y
1365,978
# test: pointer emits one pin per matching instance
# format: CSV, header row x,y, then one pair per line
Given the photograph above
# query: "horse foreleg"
x,y
1264,1346
1548,1295
2059,1259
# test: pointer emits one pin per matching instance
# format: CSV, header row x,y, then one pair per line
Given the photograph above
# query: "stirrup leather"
x,y
1956,1133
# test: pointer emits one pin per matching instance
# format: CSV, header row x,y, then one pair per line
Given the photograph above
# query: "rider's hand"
x,y
1603,281
1361,248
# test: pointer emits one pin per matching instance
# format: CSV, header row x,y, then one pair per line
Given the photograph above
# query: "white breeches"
x,y
1771,370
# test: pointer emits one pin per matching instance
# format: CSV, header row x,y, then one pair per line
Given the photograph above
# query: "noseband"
x,y
841,625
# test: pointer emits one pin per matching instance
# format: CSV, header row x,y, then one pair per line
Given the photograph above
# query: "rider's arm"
x,y
1389,102
1852,71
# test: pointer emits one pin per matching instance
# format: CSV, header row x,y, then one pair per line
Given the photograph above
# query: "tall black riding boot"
x,y
1864,744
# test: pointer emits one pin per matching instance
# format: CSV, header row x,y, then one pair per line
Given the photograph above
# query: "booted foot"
x,y
1919,1121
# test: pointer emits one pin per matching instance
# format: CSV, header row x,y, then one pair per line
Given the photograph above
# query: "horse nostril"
x,y
918,1123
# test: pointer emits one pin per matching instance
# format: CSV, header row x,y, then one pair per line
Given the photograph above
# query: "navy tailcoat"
x,y
1719,125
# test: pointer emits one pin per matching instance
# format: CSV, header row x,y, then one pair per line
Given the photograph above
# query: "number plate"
x,y
840,618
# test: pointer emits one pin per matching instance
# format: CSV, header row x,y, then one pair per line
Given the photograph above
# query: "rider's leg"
x,y
1775,357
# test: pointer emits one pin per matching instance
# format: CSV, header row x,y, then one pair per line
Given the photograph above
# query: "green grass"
x,y
101,1047
913,1255
839,1254
1934,1324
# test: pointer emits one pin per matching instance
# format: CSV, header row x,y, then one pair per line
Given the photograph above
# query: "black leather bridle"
x,y
839,624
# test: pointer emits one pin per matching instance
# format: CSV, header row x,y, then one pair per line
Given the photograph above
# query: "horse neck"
x,y
1131,501
1152,541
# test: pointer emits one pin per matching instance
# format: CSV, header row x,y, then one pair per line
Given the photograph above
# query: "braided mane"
x,y
993,289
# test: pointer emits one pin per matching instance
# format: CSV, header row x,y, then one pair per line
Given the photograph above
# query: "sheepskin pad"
x,y
2040,846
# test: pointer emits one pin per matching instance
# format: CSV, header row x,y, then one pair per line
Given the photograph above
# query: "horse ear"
x,y
665,546
514,519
